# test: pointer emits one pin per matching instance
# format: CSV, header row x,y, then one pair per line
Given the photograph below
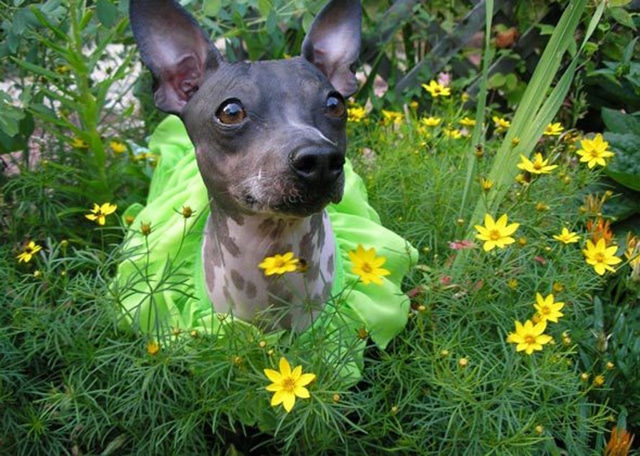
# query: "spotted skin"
x,y
232,252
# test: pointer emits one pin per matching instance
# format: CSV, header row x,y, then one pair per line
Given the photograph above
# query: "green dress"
x,y
161,282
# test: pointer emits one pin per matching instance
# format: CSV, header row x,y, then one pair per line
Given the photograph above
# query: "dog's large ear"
x,y
333,43
174,48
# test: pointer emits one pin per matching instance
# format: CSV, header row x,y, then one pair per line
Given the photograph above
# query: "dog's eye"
x,y
335,105
231,112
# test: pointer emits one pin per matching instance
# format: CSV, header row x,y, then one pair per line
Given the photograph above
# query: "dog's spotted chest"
x,y
234,247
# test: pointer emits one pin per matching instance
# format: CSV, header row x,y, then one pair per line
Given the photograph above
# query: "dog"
x,y
270,142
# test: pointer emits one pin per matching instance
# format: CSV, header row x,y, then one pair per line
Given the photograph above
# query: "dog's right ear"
x,y
174,48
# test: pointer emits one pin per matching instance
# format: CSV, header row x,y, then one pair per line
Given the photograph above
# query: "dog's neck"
x,y
233,248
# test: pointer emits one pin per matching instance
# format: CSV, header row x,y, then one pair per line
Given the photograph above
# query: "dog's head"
x,y
269,136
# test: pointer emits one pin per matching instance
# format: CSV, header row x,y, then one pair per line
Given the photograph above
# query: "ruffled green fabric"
x,y
161,282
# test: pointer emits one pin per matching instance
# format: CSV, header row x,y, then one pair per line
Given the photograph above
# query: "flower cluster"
x,y
367,265
594,151
530,337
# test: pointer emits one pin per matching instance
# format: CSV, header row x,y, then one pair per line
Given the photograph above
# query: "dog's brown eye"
x,y
335,105
231,112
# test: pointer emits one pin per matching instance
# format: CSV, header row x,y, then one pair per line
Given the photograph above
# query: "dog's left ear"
x,y
333,43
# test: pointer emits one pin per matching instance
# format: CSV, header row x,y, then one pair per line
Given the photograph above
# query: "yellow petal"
x,y
305,379
279,397
301,392
285,367
273,375
296,373
289,401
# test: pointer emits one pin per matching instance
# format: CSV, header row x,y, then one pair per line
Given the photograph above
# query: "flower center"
x,y
530,339
366,267
289,384
537,165
28,251
545,310
494,235
599,257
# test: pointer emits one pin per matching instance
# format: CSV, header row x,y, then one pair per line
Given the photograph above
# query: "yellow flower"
x,y
496,233
452,133
467,122
566,236
391,117
553,129
279,264
548,310
529,337
500,123
79,143
28,251
486,184
601,257
542,207
537,166
598,381
100,212
288,384
436,89
356,113
118,147
153,347
367,265
431,121
594,151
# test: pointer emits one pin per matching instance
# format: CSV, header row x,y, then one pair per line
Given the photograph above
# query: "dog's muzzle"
x,y
317,168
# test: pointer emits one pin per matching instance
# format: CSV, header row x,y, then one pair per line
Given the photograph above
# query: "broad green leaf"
x,y
622,17
211,8
618,122
631,181
265,7
107,13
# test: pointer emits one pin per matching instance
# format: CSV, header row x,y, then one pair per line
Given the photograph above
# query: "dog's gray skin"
x,y
270,145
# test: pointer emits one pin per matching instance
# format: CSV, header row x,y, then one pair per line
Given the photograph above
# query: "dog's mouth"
x,y
292,200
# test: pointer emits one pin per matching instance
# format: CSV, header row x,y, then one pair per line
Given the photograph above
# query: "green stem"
x,y
90,110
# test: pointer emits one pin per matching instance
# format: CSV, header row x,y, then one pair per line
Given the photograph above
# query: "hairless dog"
x,y
270,144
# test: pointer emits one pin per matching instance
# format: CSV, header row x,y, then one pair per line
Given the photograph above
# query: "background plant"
x,y
73,381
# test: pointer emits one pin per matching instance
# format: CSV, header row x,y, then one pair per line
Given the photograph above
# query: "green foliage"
x,y
74,379
623,135
613,69
62,63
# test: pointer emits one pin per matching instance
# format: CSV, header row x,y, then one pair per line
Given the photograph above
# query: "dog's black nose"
x,y
317,166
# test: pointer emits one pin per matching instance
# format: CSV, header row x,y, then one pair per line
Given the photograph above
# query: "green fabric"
x,y
161,282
